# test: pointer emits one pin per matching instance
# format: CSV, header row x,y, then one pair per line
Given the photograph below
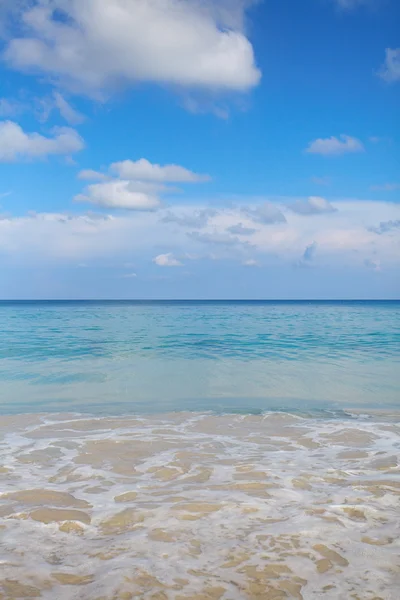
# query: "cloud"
x,y
129,276
344,239
386,226
239,229
386,187
390,70
196,219
136,185
91,175
335,146
119,194
167,260
68,113
15,144
144,170
92,46
266,213
314,205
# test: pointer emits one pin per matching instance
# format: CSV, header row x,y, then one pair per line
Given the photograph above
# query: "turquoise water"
x,y
128,357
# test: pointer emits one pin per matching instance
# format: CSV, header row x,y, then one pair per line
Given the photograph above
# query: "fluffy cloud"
x,y
92,45
167,260
119,194
390,70
137,185
143,170
332,146
314,205
16,144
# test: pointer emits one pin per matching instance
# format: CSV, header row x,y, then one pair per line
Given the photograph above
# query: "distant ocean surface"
x,y
117,357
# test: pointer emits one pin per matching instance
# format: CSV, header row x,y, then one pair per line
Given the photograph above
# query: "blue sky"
x,y
198,149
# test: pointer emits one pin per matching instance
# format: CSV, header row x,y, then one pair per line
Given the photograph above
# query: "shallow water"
x,y
108,358
209,451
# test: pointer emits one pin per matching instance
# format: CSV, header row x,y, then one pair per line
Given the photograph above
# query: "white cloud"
x,y
144,170
344,144
68,113
91,175
98,44
119,194
355,232
250,262
16,144
314,205
167,260
129,276
386,187
390,70
137,185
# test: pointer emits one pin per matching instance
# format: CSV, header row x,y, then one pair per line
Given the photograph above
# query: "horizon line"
x,y
4,300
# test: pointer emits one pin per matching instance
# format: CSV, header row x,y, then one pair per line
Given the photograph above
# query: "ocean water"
x,y
200,451
130,357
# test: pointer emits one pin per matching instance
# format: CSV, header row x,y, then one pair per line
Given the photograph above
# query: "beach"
x,y
199,495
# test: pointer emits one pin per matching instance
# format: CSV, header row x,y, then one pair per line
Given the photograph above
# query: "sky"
x,y
199,149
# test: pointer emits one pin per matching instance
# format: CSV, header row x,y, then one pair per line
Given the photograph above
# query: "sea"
x,y
200,450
